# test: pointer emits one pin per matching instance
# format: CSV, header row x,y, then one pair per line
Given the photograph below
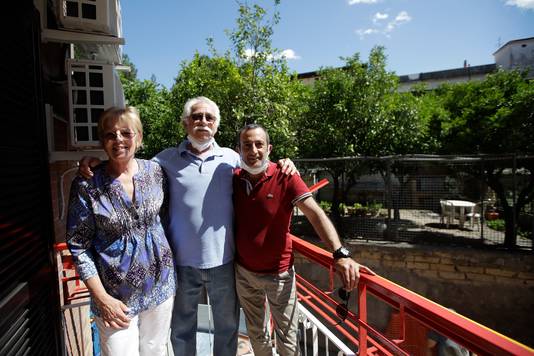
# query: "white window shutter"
x,y
93,87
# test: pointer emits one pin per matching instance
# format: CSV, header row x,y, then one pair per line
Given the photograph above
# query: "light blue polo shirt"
x,y
200,208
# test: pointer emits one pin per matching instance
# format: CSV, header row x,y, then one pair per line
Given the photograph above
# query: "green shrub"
x,y
497,224
326,206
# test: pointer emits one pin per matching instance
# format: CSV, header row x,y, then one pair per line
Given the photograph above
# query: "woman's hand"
x,y
112,311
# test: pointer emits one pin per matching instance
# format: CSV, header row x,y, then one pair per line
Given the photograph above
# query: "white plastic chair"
x,y
447,212
474,216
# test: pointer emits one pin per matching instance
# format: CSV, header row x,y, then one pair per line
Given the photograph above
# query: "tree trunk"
x,y
510,236
336,217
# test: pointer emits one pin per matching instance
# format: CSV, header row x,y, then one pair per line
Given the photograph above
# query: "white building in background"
x,y
515,54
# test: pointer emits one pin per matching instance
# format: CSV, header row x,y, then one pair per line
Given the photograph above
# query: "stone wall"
x,y
493,288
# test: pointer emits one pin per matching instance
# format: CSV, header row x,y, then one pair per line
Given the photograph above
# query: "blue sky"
x,y
419,35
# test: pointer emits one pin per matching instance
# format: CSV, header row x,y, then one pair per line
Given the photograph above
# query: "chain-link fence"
x,y
476,200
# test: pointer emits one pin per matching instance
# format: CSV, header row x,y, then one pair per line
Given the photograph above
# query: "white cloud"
x,y
379,17
370,31
249,53
523,4
354,2
402,18
289,54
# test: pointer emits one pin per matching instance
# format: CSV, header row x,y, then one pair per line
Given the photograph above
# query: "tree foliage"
x,y
495,115
250,84
492,116
357,111
160,128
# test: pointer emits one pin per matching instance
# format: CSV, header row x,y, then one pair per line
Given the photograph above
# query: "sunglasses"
x,y
199,116
126,135
342,310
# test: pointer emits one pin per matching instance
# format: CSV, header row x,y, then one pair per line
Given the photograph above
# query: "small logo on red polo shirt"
x,y
270,196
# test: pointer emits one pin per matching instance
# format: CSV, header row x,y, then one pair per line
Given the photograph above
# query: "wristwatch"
x,y
341,252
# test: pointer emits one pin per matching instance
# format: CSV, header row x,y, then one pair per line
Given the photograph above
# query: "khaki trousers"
x,y
279,291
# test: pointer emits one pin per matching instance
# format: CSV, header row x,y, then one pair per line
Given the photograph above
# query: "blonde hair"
x,y
128,115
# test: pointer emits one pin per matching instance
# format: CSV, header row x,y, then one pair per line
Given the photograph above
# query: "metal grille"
x,y
28,298
400,198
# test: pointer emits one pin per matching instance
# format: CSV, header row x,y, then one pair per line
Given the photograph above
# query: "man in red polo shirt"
x,y
263,201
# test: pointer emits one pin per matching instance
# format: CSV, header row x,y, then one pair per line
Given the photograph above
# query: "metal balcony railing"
x,y
413,312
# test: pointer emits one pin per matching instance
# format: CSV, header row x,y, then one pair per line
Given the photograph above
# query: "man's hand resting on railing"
x,y
349,272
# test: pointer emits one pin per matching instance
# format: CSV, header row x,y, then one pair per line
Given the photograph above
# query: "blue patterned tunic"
x,y
121,241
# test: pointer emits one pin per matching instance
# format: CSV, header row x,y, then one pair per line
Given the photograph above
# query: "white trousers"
x,y
147,334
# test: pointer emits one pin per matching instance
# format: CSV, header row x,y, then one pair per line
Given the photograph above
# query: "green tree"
x,y
160,128
132,73
356,111
250,83
217,78
493,116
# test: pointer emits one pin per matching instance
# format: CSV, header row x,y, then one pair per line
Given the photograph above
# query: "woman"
x,y
116,237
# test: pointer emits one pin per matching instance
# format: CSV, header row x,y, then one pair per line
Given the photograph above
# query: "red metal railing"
x,y
72,288
319,185
411,306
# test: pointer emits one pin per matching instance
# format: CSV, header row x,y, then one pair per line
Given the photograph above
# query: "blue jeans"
x,y
220,286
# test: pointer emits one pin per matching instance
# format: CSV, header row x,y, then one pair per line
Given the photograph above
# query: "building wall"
x,y
516,54
494,288
432,84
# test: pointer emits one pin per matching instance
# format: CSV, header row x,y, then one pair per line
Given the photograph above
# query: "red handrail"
x,y
462,330
318,185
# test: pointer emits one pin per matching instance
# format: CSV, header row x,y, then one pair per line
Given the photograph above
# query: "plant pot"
x,y
492,215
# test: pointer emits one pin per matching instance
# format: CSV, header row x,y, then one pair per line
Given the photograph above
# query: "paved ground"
x,y
414,225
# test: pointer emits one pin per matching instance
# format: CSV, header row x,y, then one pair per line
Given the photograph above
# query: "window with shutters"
x,y
91,91
85,15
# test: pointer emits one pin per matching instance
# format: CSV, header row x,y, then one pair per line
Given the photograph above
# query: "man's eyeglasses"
x,y
126,135
199,116
342,310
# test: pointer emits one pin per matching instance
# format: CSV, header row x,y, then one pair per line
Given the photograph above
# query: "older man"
x,y
263,201
201,229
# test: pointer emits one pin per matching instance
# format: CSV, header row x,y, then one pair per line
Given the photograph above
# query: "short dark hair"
x,y
252,127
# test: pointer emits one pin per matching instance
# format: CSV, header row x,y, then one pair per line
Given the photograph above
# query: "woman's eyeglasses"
x,y
199,116
126,135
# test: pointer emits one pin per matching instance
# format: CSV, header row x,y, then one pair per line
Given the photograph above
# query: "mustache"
x,y
202,128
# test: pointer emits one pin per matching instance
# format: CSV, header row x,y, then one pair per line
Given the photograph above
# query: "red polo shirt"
x,y
262,216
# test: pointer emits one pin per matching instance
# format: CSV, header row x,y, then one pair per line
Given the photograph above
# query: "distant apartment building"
x,y
515,54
